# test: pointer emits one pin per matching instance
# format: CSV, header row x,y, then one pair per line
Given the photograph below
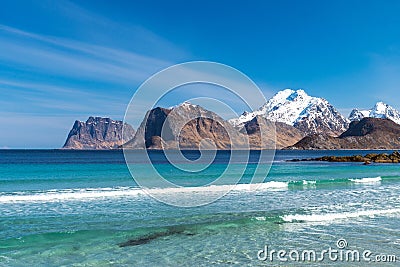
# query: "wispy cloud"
x,y
49,78
48,98
74,59
135,37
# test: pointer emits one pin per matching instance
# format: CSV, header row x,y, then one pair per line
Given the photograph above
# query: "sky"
x,y
67,60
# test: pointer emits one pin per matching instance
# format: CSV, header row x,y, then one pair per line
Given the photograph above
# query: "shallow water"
x,y
82,208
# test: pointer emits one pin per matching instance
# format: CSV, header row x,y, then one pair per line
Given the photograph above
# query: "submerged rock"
x,y
141,240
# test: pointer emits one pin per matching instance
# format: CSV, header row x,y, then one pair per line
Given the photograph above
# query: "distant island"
x,y
97,133
301,122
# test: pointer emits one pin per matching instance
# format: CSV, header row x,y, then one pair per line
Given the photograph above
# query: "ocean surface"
x,y
83,208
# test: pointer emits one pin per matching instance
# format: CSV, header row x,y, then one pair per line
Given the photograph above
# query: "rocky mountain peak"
x,y
185,105
380,110
296,108
97,133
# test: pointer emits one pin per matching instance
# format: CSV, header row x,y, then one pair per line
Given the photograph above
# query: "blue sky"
x,y
67,60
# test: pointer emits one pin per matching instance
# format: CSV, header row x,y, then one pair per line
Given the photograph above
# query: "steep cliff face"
x,y
98,133
369,133
148,135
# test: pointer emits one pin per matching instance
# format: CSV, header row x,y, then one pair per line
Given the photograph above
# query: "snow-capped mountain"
x,y
185,104
308,114
380,110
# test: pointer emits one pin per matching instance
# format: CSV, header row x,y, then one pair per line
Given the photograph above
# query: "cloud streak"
x,y
49,80
74,59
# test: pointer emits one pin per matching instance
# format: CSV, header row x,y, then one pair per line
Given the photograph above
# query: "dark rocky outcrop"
x,y
367,159
98,133
369,133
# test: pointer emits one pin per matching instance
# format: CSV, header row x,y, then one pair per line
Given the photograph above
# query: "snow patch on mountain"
x,y
380,110
185,104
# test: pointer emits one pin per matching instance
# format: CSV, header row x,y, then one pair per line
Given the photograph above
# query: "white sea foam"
x,y
272,185
69,194
108,192
367,180
305,182
336,216
95,193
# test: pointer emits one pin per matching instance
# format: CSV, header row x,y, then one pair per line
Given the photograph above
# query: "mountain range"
x,y
301,122
185,126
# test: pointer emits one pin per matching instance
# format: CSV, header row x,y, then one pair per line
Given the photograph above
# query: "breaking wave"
x,y
336,216
98,193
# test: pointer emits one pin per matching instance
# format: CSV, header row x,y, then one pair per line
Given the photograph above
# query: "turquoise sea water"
x,y
82,208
